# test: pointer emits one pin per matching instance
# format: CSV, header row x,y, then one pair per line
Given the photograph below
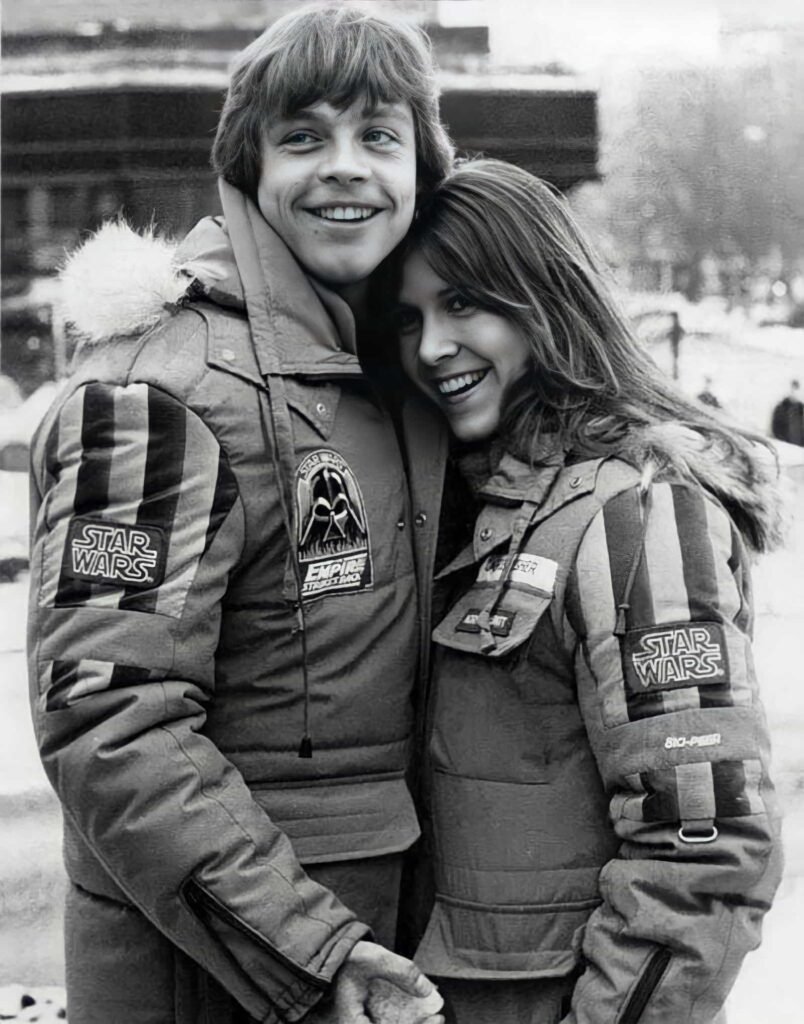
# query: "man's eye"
x,y
299,138
381,136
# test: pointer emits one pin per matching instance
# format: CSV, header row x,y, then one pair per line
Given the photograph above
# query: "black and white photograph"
x,y
402,511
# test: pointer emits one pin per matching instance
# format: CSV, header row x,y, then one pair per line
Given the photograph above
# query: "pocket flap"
x,y
512,622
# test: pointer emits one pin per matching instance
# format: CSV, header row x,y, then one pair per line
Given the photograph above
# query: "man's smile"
x,y
343,213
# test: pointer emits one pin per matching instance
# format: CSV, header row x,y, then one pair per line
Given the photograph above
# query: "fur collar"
x,y
745,482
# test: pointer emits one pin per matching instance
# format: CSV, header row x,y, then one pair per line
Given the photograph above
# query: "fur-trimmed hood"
x,y
122,282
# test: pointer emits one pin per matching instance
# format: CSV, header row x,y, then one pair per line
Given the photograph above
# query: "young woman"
x,y
603,829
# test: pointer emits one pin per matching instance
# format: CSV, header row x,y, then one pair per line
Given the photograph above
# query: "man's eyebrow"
x,y
303,114
399,111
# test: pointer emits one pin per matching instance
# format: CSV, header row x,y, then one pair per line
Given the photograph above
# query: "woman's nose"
x,y
436,344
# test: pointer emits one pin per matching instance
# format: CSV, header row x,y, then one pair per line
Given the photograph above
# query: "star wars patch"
x,y
501,622
334,547
672,657
528,570
102,551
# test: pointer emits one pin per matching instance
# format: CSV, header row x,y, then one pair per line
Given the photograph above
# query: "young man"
x,y
223,630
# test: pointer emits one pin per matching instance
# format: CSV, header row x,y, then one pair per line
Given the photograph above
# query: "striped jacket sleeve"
x,y
138,527
670,703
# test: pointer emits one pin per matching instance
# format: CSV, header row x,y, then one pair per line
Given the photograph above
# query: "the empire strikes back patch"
x,y
334,547
103,551
675,656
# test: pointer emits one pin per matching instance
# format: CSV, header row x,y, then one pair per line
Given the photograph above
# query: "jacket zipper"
x,y
202,900
646,986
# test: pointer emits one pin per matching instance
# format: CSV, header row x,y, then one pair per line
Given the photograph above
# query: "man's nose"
x,y
343,161
436,343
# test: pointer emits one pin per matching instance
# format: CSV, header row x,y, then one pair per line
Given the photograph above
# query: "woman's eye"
x,y
458,303
381,137
406,321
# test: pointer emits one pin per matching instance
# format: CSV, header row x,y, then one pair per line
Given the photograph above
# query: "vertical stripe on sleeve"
x,y
696,555
162,482
598,615
92,476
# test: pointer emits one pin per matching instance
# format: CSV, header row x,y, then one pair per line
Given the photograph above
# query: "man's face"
x,y
339,186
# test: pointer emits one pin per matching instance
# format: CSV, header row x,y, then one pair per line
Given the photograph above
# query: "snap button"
x,y
228,355
320,408
400,524
575,482
421,518
486,533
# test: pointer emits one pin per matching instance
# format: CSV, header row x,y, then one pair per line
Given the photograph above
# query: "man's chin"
x,y
341,278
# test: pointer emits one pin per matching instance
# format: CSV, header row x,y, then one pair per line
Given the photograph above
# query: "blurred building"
x,y
105,114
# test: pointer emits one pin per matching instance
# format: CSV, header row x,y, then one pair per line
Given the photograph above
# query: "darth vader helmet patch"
x,y
333,538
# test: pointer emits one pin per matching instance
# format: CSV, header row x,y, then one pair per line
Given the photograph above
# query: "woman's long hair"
x,y
509,243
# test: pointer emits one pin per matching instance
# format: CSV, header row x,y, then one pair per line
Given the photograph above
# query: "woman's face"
x,y
462,357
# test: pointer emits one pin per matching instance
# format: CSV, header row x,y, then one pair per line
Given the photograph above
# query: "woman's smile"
x,y
452,389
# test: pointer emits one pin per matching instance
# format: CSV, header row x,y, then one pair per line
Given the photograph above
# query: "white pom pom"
x,y
119,281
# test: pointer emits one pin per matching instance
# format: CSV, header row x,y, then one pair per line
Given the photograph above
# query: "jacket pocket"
x,y
511,621
502,942
652,974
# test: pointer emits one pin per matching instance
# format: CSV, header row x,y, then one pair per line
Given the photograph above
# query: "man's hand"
x,y
376,986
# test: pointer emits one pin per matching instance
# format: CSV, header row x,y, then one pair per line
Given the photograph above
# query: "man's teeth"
x,y
455,385
344,212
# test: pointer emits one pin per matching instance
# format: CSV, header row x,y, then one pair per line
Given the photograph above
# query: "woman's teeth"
x,y
343,212
453,386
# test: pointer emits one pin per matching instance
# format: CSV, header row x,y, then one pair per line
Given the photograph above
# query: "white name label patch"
x,y
530,571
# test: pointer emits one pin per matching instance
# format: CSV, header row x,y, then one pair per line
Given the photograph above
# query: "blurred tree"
x,y
703,176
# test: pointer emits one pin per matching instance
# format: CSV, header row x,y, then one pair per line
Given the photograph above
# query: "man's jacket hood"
x,y
122,282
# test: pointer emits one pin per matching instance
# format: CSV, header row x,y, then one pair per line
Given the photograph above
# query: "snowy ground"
x,y
749,378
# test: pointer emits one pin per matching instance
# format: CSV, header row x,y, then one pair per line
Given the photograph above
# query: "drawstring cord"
x,y
487,640
624,605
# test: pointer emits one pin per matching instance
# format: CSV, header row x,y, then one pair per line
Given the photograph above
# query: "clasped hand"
x,y
376,986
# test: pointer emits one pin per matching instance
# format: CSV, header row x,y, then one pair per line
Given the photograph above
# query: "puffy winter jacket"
x,y
222,579
598,787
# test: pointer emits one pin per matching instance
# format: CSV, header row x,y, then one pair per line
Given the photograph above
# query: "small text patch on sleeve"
x,y
102,551
674,656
